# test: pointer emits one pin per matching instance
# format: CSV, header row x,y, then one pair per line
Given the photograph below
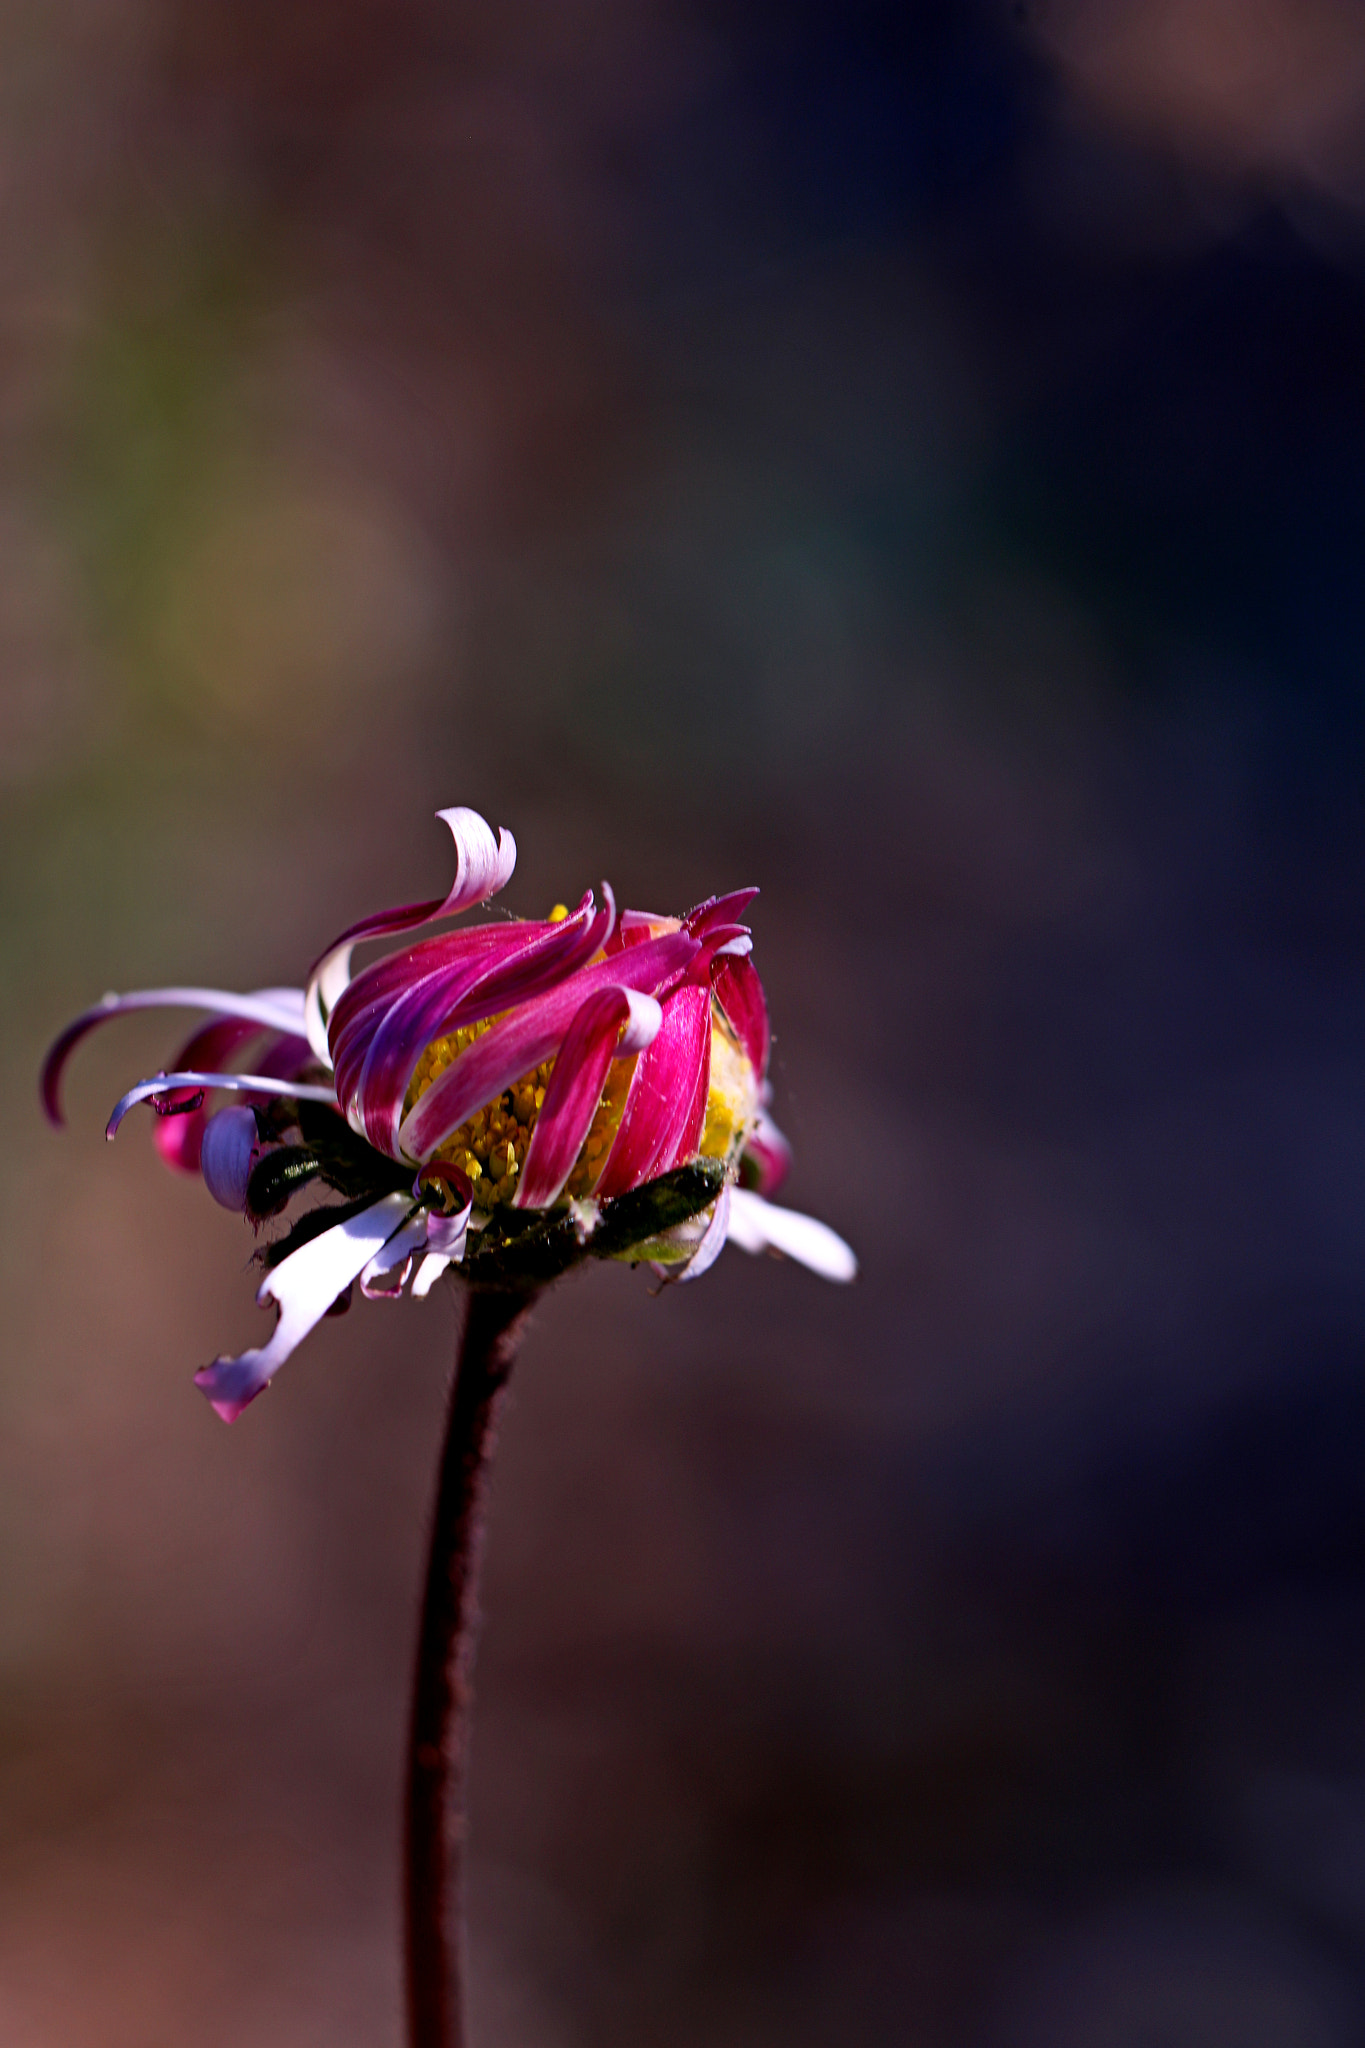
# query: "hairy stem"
x,y
438,1748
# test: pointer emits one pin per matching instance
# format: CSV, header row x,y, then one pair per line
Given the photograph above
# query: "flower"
x,y
505,1097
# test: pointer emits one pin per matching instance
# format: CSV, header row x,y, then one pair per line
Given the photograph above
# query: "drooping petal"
x,y
427,1274
304,1286
227,1155
592,1042
740,994
667,1099
759,1226
767,1153
446,1235
532,1033
483,866
275,1009
250,1084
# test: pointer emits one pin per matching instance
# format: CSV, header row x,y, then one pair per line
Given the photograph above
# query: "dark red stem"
x,y
438,1748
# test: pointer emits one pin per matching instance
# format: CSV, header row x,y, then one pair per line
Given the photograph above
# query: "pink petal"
x,y
252,1084
667,1098
179,1138
769,1152
304,1285
444,1002
740,995
532,1033
483,866
718,910
759,1226
363,1005
590,1045
275,1009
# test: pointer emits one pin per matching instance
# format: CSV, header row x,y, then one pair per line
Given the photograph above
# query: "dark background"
x,y
912,458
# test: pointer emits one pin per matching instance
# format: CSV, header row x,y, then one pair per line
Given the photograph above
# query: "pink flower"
x,y
515,1096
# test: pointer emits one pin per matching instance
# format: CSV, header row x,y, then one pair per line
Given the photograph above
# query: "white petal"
x,y
304,1285
642,1025
325,985
427,1274
713,1243
398,1252
483,864
227,1154
249,1084
759,1226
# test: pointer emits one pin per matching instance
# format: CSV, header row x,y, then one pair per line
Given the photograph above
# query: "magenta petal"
x,y
304,1285
740,994
271,1009
532,1033
547,957
179,1138
667,1091
718,910
483,865
589,1047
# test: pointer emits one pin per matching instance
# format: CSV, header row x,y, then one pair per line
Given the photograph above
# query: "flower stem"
x,y
442,1697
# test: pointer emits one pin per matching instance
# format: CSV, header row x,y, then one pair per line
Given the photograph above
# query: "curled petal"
x,y
740,994
227,1154
530,1034
758,1226
274,1009
594,1039
483,866
446,1235
251,1084
394,1257
304,1285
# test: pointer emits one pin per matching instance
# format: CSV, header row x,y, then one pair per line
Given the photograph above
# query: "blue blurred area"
x,y
909,458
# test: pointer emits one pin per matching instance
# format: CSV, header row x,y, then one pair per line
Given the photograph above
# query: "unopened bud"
x,y
229,1151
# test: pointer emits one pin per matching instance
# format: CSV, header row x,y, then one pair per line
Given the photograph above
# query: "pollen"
x,y
731,1099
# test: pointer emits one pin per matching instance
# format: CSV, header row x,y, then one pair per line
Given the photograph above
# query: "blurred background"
x,y
909,457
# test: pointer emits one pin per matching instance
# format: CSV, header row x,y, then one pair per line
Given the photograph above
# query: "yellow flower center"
x,y
490,1148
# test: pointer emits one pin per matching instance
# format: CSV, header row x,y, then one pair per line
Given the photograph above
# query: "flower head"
x,y
508,1098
